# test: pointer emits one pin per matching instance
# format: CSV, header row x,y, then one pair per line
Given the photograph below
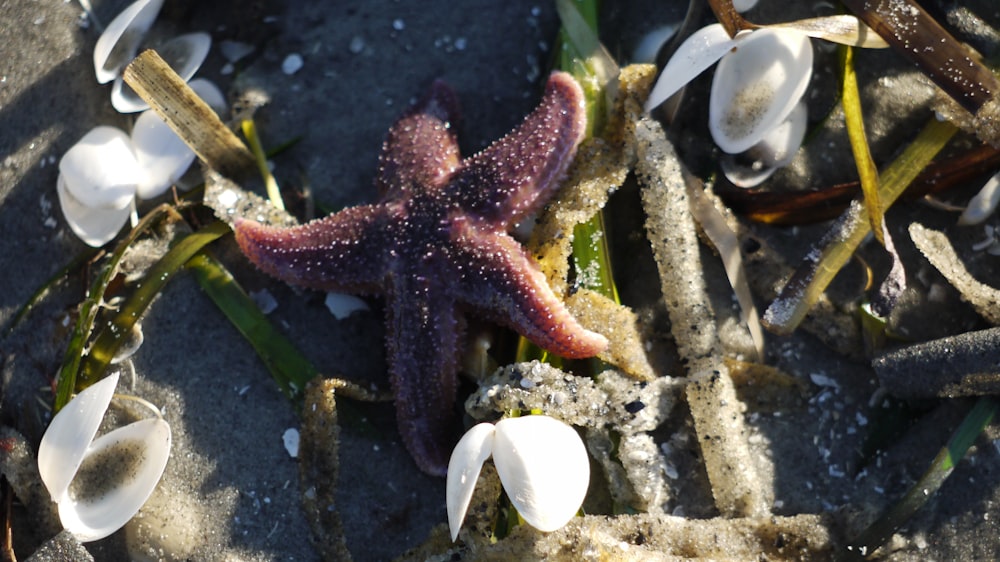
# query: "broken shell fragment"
x,y
116,47
100,484
342,305
757,86
776,150
542,464
983,204
184,54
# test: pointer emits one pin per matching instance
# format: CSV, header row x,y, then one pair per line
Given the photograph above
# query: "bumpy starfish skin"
x,y
436,246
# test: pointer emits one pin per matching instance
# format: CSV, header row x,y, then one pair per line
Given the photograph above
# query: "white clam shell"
x,y
162,156
97,182
119,473
116,47
184,54
776,150
69,434
95,226
698,52
100,170
544,468
210,93
756,87
464,466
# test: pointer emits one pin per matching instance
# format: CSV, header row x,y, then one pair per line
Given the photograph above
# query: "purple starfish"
x,y
436,246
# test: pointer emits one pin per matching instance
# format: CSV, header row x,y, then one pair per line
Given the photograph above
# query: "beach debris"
x,y
99,484
698,52
96,184
319,467
184,54
657,537
960,365
762,73
542,464
711,394
936,247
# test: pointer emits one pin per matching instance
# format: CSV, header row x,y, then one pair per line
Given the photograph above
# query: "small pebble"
x,y
292,64
357,45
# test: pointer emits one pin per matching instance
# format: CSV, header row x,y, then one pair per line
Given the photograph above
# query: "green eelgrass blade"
x,y
941,467
593,258
66,384
867,172
581,54
273,193
290,370
85,257
120,327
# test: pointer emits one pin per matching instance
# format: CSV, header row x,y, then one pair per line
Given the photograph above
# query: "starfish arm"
x,y
518,173
341,252
500,279
421,148
424,331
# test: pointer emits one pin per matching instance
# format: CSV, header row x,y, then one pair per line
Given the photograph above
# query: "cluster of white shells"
x,y
755,113
102,174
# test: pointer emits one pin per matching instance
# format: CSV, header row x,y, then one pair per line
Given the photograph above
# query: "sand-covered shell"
x,y
100,484
776,150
